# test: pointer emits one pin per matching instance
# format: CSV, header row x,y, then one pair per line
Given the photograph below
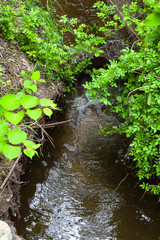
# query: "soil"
x,y
12,62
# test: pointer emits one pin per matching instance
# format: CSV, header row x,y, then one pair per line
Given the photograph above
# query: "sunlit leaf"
x,y
10,102
11,152
35,76
3,128
29,101
14,118
34,114
16,136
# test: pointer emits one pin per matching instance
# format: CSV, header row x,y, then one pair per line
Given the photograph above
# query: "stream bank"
x,y
13,61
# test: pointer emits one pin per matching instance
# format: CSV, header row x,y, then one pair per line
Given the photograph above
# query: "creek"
x,y
69,193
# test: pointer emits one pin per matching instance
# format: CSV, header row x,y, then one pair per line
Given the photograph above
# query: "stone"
x,y
5,231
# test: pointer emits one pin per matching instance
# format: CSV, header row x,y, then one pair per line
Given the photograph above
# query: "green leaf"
x,y
2,111
45,102
14,118
36,146
27,83
29,144
35,76
21,94
41,80
29,101
96,54
54,106
153,19
2,144
29,152
149,99
3,128
23,73
48,112
10,102
34,114
16,136
34,88
11,152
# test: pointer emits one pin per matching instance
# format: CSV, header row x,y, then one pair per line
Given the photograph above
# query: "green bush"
x,y
13,110
131,87
42,38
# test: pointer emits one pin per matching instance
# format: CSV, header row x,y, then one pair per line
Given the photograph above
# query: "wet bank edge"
x,y
13,61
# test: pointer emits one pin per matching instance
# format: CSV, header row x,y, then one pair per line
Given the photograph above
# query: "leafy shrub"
x,y
13,109
131,87
38,34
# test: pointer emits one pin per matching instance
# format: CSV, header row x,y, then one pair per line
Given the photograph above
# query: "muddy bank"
x,y
13,61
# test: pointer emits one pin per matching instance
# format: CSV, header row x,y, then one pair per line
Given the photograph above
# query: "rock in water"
x,y
5,231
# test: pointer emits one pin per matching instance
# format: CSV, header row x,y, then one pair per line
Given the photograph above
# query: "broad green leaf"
x,y
48,112
35,76
153,19
34,88
21,94
2,144
45,102
34,114
16,136
29,144
29,152
27,83
10,102
3,138
3,128
14,118
2,111
11,152
29,101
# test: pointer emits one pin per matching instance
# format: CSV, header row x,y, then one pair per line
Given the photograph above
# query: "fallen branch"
x,y
134,91
49,125
10,172
121,182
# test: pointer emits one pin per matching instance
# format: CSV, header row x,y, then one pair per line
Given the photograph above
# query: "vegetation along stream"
x,y
80,190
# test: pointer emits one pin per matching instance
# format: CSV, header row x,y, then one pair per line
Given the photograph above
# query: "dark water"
x,y
70,191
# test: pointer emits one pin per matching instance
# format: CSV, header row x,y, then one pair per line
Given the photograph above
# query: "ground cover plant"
x,y
131,86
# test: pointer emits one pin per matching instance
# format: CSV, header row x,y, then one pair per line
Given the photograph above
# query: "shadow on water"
x,y
70,191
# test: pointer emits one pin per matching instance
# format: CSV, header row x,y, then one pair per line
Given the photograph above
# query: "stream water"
x,y
69,193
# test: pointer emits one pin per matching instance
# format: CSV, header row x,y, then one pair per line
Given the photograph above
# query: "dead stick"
x,y
127,24
10,172
121,182
53,124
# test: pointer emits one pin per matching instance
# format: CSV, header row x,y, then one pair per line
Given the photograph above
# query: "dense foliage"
x,y
131,86
42,38
13,109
